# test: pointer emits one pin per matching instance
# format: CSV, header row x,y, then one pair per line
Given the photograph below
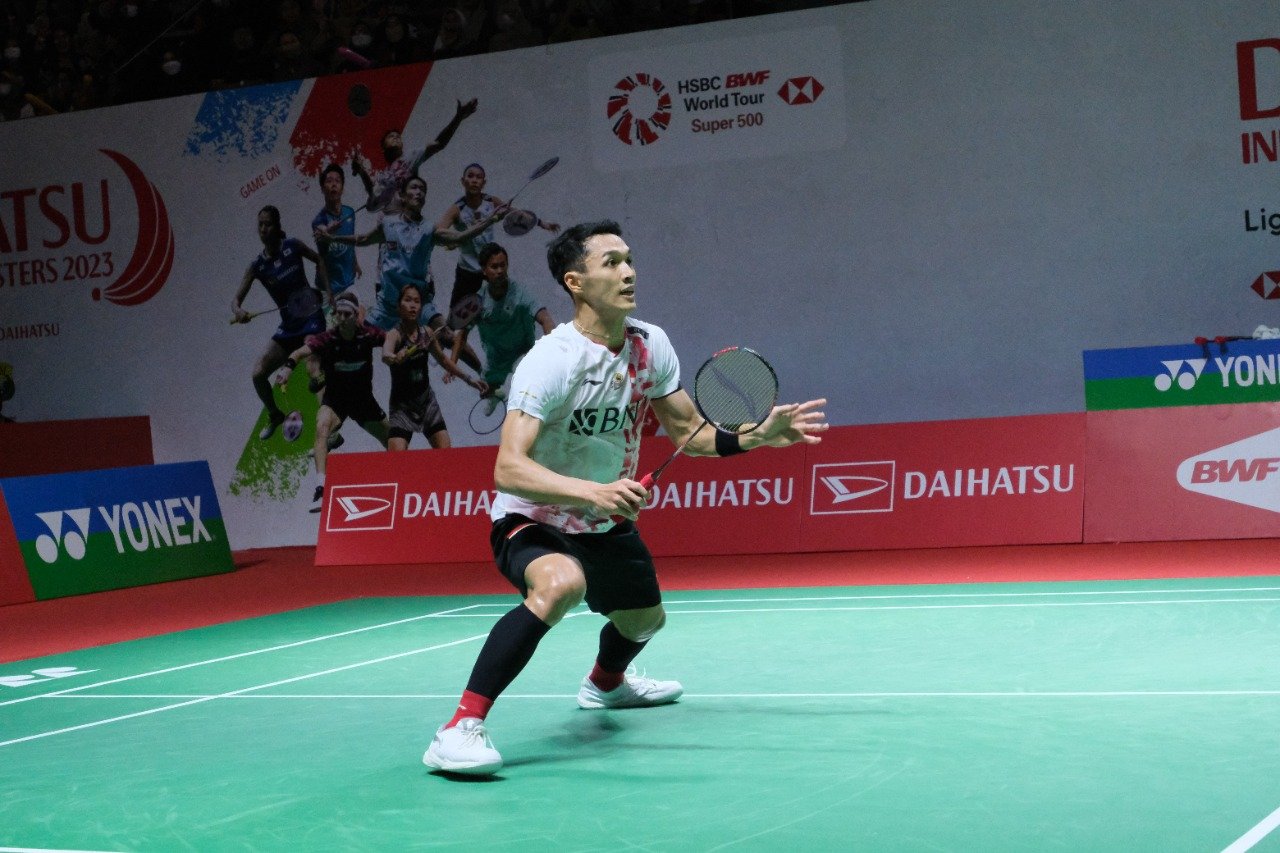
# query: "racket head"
x,y
517,223
544,168
736,389
301,304
484,420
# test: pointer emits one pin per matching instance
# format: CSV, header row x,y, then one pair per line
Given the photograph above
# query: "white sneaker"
x,y
635,691
273,424
464,748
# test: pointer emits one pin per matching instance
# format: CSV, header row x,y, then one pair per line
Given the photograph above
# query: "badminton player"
x,y
473,206
279,267
414,407
506,320
340,260
345,353
566,468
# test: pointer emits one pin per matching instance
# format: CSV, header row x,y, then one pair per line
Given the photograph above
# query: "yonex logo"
x,y
74,541
800,90
1174,372
852,487
1244,472
640,109
365,507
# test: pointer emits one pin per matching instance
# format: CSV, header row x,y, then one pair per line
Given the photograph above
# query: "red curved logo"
x,y
152,259
641,129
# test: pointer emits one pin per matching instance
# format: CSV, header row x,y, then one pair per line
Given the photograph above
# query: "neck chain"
x,y
595,335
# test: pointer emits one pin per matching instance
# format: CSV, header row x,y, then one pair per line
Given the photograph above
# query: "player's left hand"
x,y
792,424
469,108
282,376
480,385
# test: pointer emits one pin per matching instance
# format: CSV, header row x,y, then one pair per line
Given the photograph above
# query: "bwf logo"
x,y
1174,373
640,109
370,506
852,487
1243,472
73,537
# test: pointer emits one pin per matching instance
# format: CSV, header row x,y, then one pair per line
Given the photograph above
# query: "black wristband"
x,y
728,443
290,363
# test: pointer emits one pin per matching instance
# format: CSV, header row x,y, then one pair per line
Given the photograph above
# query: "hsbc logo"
x,y
370,506
852,487
800,90
1244,472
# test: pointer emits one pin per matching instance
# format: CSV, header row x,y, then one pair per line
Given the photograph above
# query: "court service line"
x,y
238,655
1254,835
234,693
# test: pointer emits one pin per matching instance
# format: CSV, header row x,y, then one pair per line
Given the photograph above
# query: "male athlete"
x,y
345,353
279,268
506,318
474,205
340,260
383,184
561,483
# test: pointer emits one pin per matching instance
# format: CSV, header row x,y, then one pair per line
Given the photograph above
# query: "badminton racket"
x,y
537,173
300,305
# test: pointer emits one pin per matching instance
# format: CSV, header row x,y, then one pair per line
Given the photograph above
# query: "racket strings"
x,y
736,390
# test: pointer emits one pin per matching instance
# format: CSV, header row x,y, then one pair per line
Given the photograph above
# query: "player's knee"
x,y
651,626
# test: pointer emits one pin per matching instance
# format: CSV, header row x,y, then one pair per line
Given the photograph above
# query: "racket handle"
x,y
647,482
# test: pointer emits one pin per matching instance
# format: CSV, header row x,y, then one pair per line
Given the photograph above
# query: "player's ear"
x,y
573,282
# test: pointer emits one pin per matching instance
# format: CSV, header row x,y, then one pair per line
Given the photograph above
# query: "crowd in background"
x,y
70,55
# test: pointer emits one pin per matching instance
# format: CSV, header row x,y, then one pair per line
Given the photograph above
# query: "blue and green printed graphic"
x,y
98,530
1244,371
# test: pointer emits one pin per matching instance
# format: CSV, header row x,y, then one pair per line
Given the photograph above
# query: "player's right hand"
x,y
240,315
620,498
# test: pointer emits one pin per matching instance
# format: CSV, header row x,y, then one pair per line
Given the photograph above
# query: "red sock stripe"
x,y
471,705
604,679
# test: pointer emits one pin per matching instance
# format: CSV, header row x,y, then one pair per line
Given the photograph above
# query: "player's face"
x,y
608,283
473,181
392,145
332,186
266,228
346,316
495,270
414,195
410,305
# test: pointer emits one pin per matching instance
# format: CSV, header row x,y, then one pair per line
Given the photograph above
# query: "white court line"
x,y
237,655
937,694
1029,604
235,693
44,850
1254,835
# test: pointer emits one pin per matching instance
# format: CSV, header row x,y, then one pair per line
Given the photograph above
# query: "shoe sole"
x,y
463,768
593,705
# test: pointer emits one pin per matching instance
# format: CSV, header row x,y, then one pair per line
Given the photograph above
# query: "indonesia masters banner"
x,y
97,530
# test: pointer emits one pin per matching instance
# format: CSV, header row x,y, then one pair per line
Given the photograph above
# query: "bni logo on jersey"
x,y
844,488
369,506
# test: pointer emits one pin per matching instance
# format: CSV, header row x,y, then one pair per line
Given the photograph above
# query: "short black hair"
x,y
333,167
568,250
274,212
487,253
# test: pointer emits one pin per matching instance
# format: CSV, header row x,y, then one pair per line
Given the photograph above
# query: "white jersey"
x,y
591,402
469,250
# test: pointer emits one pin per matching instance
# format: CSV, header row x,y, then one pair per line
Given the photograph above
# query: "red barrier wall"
x,y
56,447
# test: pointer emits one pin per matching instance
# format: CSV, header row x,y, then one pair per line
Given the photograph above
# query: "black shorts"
x,y
362,409
618,565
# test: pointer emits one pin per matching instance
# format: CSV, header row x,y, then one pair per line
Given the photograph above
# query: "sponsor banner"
x,y
746,504
15,586
739,98
1239,371
418,506
997,481
433,507
98,530
1197,472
